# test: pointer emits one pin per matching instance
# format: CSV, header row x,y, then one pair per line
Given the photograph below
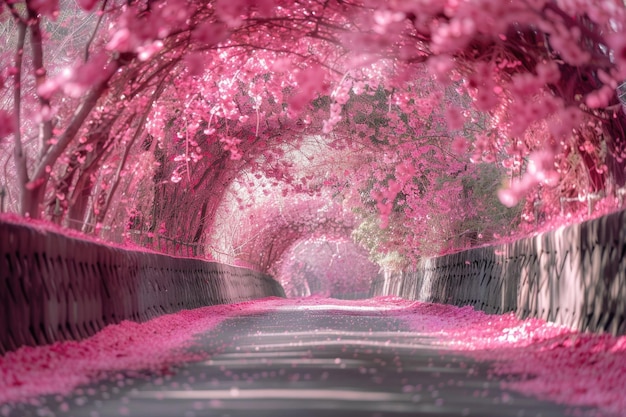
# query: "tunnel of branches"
x,y
284,136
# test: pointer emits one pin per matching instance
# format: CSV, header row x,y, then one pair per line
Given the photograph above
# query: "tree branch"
x,y
18,152
36,42
140,128
81,113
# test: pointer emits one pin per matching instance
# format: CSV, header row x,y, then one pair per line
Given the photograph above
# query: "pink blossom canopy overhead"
x,y
419,118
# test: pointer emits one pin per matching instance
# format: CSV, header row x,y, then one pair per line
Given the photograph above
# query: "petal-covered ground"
x,y
551,361
546,360
151,346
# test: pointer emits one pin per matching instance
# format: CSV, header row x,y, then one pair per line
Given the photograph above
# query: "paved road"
x,y
302,362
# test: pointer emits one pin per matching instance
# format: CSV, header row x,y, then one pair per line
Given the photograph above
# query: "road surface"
x,y
304,360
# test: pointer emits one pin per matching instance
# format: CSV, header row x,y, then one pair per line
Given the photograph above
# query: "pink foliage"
x,y
230,145
7,125
75,82
48,8
143,34
232,12
210,33
460,145
455,118
87,5
195,96
540,170
309,83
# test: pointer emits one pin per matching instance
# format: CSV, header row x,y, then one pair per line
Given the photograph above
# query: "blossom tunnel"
x,y
334,268
306,245
217,155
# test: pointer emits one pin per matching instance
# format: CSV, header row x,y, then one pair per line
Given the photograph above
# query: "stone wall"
x,y
575,276
55,288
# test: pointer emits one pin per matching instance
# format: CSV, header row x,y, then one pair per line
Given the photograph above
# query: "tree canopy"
x,y
145,119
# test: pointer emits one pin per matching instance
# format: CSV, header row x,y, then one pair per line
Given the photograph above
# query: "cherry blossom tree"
x,y
192,96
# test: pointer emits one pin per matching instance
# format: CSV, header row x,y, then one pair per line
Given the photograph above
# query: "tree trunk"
x,y
32,198
615,129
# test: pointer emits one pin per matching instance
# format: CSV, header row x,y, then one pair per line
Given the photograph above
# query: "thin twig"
x,y
95,30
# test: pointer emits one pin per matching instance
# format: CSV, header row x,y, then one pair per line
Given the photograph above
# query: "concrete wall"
x,y
574,276
55,288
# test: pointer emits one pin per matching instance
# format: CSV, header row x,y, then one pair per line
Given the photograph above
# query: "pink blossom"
x,y
7,126
146,51
548,72
566,41
384,19
490,16
562,124
170,16
508,163
539,162
405,171
441,67
230,144
459,145
134,30
486,99
121,41
603,12
87,5
424,107
231,12
526,84
48,8
195,63
540,170
45,114
48,88
508,197
600,98
536,4
455,118
607,79
309,83
265,7
76,81
210,33
393,189
452,37
587,147
617,43
176,178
